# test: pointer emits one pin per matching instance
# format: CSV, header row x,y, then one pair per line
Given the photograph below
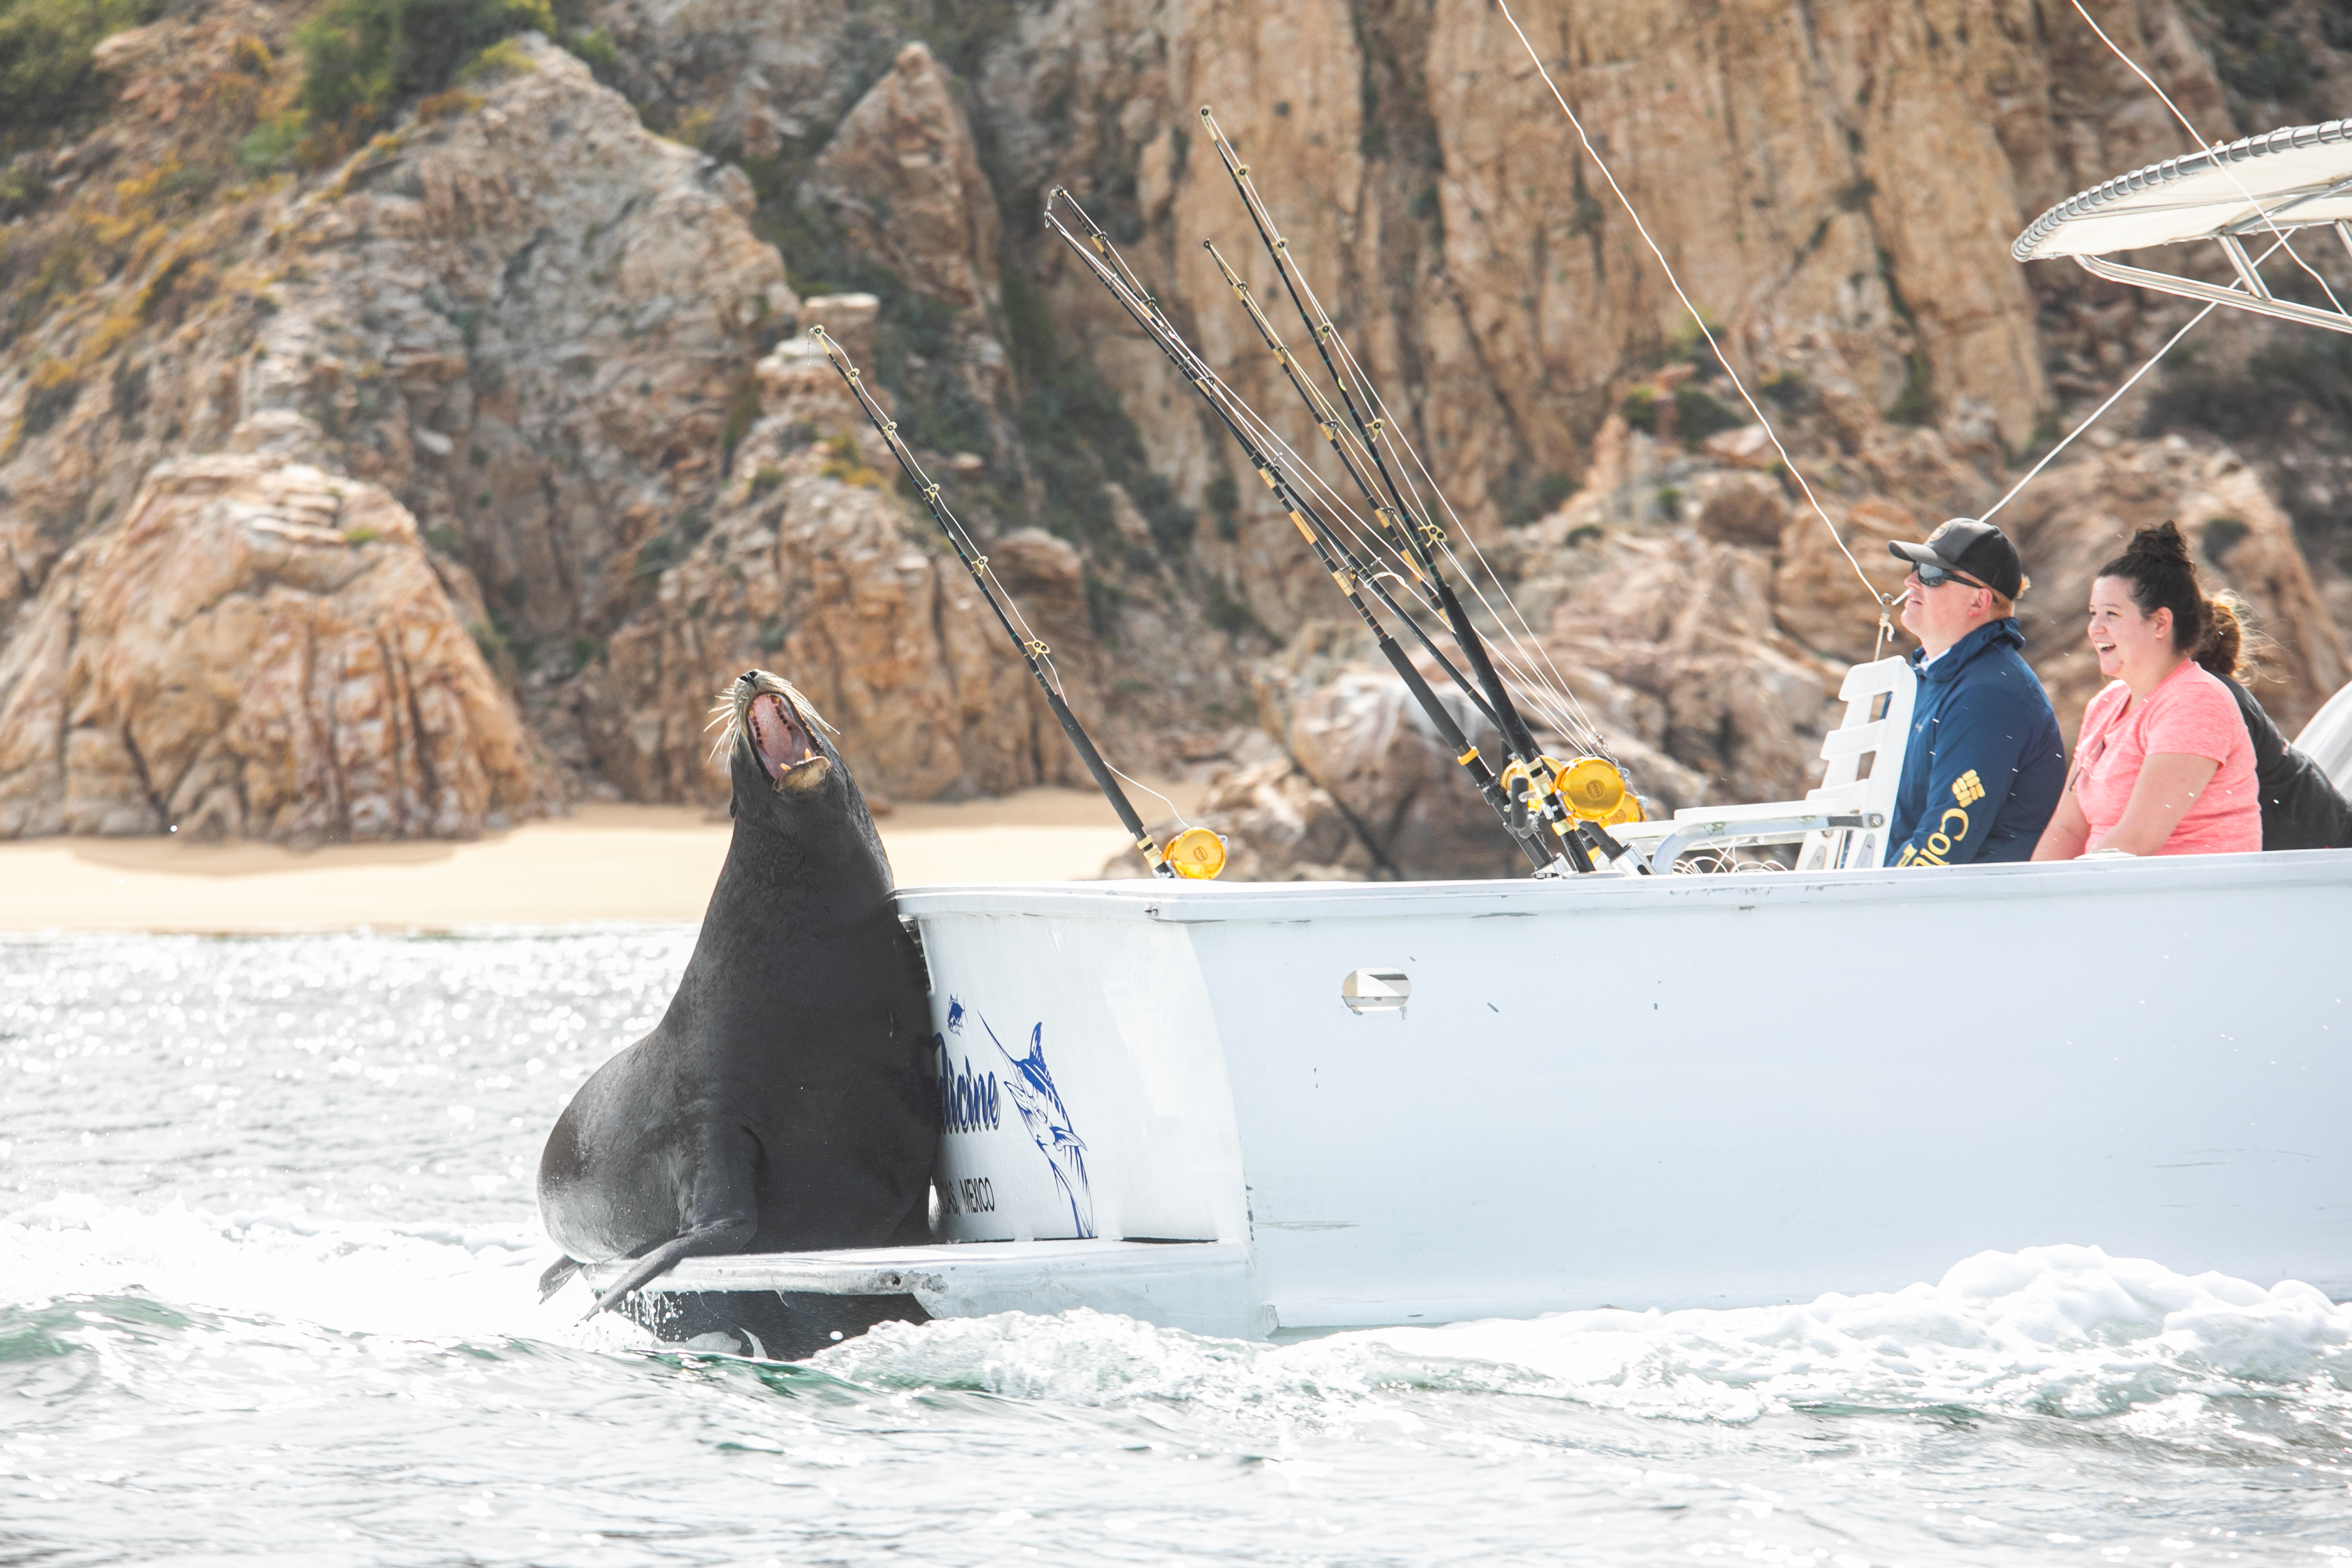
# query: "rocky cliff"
x,y
256,649
555,320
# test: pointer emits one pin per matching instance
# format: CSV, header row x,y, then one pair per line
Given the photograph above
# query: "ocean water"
x,y
268,1247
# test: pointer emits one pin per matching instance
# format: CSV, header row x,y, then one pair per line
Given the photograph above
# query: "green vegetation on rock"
x,y
48,82
367,60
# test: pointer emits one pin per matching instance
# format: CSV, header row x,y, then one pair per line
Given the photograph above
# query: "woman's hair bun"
x,y
2224,648
2163,545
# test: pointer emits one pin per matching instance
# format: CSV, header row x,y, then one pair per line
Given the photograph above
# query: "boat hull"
x,y
1665,1092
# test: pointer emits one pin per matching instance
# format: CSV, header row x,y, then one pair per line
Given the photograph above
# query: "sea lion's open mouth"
x,y
780,726
786,752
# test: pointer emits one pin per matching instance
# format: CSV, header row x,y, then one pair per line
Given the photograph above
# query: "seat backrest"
x,y
2328,739
1864,755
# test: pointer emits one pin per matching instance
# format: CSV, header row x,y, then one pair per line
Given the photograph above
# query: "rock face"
x,y
526,318
1837,191
549,383
256,650
902,175
812,567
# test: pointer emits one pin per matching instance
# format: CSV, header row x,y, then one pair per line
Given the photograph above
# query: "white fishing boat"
x,y
1246,1108
1255,1109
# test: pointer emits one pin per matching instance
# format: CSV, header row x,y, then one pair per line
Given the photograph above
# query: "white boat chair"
x,y
2328,739
1840,825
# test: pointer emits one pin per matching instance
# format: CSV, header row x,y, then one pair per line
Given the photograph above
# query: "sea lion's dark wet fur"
x,y
786,1102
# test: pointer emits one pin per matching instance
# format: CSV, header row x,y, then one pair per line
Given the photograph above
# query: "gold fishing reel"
x,y
1595,791
1197,854
1591,787
1628,810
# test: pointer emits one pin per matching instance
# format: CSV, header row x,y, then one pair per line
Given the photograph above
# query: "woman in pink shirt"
x,y
2164,764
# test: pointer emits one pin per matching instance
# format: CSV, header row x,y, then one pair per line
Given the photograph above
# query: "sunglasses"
x,y
1937,577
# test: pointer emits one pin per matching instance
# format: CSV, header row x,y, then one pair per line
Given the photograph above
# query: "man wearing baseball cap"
x,y
1985,765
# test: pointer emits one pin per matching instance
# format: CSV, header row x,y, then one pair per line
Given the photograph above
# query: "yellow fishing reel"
x,y
1197,854
1594,789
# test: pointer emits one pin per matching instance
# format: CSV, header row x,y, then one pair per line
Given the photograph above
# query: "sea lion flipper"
x,y
711,1235
558,1274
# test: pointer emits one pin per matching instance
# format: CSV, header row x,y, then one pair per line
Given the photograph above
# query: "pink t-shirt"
x,y
2190,712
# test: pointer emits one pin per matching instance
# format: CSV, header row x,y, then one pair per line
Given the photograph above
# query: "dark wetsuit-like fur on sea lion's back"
x,y
785,1102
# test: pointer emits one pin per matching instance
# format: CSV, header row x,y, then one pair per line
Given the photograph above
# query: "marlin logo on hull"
x,y
1031,1084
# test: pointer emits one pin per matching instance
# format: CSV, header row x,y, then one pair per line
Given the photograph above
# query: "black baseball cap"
x,y
1973,548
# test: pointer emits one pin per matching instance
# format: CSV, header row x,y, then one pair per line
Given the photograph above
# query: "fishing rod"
x,y
1128,289
1331,550
1417,532
1194,853
1526,773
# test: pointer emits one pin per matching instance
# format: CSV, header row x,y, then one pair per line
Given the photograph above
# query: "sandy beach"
x,y
601,863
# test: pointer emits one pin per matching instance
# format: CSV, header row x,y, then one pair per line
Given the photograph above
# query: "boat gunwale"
x,y
1275,902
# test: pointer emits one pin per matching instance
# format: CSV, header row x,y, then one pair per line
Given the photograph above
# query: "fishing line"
x,y
1181,820
1881,600
1571,852
2214,150
1270,441
2100,412
1374,547
1256,436
1564,691
1410,519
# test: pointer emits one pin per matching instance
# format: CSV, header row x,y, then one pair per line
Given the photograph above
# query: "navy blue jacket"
x,y
1985,765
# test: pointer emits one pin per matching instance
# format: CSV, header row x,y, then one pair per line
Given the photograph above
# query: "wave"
x,y
2054,1331
2061,1330
282,1263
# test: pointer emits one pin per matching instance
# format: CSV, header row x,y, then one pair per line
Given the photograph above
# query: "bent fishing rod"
x,y
1034,651
1331,552
1417,534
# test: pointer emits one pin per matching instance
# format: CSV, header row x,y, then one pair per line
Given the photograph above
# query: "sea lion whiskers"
x,y
735,701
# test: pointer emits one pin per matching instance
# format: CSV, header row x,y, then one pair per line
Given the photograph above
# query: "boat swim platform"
x,y
1188,1283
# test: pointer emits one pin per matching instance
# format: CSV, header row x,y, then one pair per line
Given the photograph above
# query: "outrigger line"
x,y
2246,284
1530,785
1196,852
1886,627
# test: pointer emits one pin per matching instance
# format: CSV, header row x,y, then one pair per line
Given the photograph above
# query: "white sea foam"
x,y
2064,1330
2059,1330
427,1282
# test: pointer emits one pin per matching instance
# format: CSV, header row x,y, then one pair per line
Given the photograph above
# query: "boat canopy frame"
x,y
2294,179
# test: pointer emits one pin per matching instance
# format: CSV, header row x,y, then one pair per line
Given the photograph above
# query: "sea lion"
x,y
786,1102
